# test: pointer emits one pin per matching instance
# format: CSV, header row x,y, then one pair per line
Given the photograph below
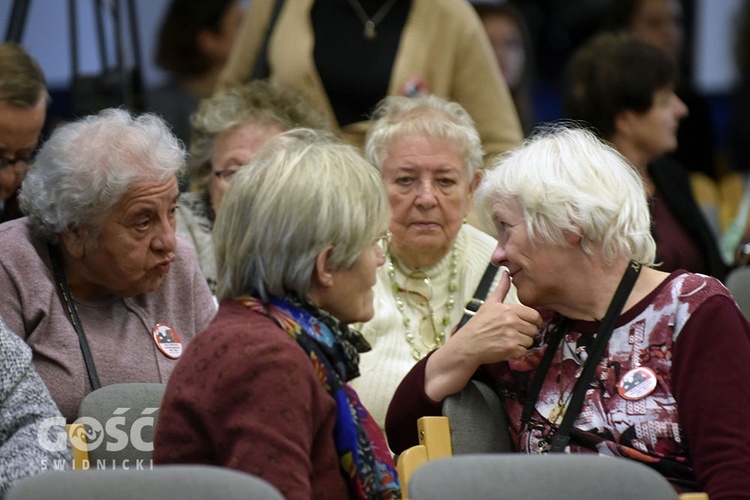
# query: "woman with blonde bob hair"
x,y
666,353
297,241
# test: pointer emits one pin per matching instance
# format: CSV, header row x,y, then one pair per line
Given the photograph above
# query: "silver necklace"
x,y
371,23
431,328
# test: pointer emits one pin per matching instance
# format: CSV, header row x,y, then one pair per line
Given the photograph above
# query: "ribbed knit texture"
x,y
25,404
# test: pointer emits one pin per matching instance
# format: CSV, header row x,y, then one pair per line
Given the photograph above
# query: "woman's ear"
x,y
322,275
575,236
476,180
624,123
73,242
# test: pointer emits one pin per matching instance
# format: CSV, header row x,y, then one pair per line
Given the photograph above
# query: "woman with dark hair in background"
x,y
193,44
623,88
661,23
511,42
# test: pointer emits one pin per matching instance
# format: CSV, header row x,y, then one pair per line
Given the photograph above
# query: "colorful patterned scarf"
x,y
363,454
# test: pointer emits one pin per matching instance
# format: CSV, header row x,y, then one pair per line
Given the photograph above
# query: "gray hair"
x,y
565,177
302,192
258,102
429,116
86,166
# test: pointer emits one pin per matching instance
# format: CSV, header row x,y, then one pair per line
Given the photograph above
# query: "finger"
x,y
499,293
530,315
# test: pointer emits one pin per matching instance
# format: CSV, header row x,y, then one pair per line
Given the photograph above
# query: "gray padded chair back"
x,y
477,421
738,283
133,408
537,477
186,482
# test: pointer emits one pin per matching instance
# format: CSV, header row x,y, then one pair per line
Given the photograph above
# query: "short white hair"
x,y
429,116
565,178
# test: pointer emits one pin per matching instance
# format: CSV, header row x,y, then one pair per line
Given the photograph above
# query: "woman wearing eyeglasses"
x,y
429,155
23,108
265,388
228,129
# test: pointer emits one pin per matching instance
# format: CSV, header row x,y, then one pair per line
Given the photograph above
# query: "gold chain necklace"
x,y
431,327
370,23
558,411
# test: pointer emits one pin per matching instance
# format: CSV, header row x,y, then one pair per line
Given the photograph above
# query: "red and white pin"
x,y
637,383
167,341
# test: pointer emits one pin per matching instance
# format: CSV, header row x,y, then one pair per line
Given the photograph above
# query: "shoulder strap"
x,y
70,307
261,69
479,295
607,326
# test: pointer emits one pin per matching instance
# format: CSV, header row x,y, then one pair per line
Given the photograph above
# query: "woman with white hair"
x,y
430,157
94,279
265,388
666,353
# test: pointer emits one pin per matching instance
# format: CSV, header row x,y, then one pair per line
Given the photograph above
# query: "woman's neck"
x,y
639,160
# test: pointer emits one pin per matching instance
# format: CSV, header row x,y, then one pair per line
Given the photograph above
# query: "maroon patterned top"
x,y
692,427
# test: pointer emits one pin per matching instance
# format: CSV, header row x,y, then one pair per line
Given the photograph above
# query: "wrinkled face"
x,y
19,133
507,43
430,191
136,244
350,300
659,22
232,149
534,267
654,132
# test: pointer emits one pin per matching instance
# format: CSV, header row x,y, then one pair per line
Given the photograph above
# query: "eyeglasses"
x,y
384,241
20,164
417,292
226,174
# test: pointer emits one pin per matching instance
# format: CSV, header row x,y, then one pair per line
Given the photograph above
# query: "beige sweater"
x,y
443,42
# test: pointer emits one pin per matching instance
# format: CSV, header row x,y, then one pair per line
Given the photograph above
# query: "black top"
x,y
355,71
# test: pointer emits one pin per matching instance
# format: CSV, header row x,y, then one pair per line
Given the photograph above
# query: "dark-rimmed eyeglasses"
x,y
226,174
20,164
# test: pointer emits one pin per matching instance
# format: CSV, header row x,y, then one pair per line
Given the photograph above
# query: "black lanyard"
x,y
69,305
560,438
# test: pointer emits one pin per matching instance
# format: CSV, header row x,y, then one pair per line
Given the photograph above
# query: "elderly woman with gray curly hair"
x,y
94,279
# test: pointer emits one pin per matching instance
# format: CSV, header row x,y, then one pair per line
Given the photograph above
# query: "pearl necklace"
x,y
439,324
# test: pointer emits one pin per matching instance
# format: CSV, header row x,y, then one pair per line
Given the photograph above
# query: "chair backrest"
x,y
738,283
478,423
537,477
434,442
186,482
120,421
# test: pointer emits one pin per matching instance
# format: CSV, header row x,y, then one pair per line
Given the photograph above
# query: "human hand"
x,y
499,331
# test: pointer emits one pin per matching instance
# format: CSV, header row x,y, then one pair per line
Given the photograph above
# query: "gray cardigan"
x,y
25,407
